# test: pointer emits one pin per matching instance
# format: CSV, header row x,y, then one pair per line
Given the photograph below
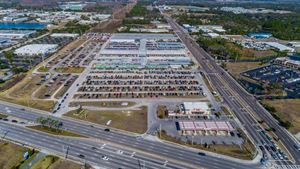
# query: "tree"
x,y
84,17
42,121
9,55
224,65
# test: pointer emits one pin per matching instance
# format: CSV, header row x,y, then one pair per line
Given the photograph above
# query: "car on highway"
x,y
81,156
107,129
104,157
297,147
201,154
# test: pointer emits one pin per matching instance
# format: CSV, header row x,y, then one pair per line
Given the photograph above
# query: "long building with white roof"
x,y
36,49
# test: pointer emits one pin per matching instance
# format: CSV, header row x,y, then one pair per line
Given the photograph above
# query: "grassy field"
x,y
161,111
70,69
243,152
129,120
43,69
111,104
22,91
63,164
10,83
291,113
235,68
248,53
10,154
206,81
59,132
61,92
45,163
226,111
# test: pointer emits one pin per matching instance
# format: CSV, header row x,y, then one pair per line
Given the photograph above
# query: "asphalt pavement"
x,y
127,141
243,104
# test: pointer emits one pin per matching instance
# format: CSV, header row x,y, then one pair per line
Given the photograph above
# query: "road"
x,y
126,141
72,147
245,106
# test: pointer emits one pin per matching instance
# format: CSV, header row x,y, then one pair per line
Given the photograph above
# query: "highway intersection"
x,y
150,149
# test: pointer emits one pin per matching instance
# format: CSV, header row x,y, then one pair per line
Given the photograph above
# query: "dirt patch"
x,y
10,154
235,68
63,164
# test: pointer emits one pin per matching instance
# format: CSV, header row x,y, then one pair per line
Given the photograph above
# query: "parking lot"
x,y
140,84
81,56
277,75
54,85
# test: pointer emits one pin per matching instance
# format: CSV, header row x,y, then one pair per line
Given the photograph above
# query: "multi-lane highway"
x,y
148,148
244,105
83,150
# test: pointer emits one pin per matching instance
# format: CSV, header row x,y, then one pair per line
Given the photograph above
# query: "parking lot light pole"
x,y
192,139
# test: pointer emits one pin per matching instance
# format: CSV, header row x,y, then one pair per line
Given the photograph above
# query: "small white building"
x,y
213,35
192,109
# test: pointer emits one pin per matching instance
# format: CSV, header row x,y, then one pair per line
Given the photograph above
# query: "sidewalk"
x,y
37,158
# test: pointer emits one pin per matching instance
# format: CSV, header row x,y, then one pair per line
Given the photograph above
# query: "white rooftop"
x,y
36,49
72,35
196,105
279,46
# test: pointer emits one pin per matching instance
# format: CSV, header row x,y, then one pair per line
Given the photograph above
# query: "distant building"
x,y
213,35
15,34
259,35
292,62
36,49
76,6
71,35
280,47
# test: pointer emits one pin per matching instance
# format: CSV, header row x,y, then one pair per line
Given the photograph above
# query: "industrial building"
x,y
280,47
76,6
16,34
36,49
71,35
292,62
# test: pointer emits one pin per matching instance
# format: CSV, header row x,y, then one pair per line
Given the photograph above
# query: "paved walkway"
x,y
37,158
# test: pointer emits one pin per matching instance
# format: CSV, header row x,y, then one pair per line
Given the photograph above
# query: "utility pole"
x,y
159,130
192,139
67,151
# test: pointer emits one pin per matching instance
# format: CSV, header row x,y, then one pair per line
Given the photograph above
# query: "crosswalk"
x,y
275,166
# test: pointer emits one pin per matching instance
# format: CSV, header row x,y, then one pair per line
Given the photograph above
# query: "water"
x,y
21,25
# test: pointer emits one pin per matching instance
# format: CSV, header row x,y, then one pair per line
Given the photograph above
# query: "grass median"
x,y
70,69
54,131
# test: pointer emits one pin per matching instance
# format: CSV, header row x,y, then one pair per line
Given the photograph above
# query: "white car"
x,y
105,158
